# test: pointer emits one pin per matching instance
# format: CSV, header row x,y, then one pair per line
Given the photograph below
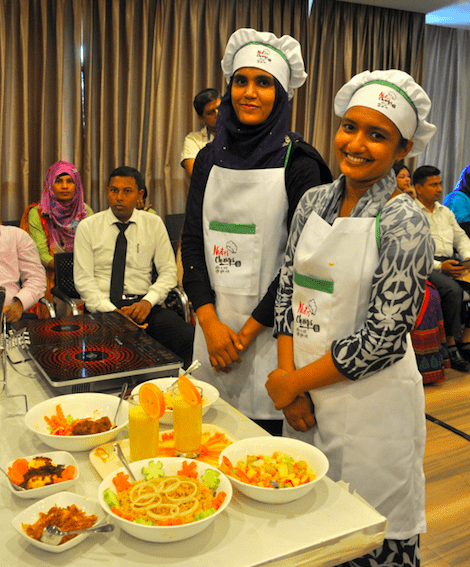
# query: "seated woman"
x,y
459,200
403,175
52,223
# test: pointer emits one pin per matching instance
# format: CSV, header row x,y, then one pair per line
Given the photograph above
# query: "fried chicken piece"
x,y
90,426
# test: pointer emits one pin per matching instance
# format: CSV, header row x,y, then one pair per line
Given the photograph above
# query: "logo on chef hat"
x,y
386,99
263,55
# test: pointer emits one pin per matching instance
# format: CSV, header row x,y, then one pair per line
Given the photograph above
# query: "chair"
x,y
64,288
174,226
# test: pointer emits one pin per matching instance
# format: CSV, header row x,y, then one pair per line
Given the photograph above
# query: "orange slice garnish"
x,y
152,400
189,391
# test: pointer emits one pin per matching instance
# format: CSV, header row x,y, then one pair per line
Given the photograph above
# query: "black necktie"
x,y
119,264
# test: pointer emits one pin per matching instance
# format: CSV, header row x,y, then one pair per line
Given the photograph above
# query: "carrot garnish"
x,y
17,471
218,500
120,482
69,472
189,470
171,522
118,512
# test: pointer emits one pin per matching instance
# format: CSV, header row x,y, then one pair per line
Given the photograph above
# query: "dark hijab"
x,y
238,146
463,184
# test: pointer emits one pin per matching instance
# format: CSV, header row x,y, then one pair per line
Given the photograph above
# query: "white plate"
x,y
164,533
298,450
92,405
58,458
62,499
210,394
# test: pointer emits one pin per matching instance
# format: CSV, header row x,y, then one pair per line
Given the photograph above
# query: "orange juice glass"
x,y
143,432
187,426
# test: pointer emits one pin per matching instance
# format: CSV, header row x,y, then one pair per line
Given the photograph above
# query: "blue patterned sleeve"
x,y
405,262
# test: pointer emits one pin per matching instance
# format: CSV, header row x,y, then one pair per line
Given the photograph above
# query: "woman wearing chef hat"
x,y
244,190
353,280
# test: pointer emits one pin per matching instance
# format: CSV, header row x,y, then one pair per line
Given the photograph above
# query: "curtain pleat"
x,y
345,39
447,57
190,38
143,63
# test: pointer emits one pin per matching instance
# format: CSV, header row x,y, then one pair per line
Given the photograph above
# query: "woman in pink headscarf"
x,y
52,223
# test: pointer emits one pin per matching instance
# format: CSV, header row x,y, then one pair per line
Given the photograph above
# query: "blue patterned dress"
x,y
397,291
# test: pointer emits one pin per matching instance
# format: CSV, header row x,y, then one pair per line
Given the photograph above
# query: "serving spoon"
x,y
118,451
15,486
52,534
121,397
195,364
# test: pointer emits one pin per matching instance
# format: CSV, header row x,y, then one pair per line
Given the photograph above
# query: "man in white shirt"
x,y
146,245
21,272
448,236
206,103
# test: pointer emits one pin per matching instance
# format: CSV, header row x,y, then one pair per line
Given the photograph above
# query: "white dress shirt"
x,y
147,244
194,142
446,232
21,271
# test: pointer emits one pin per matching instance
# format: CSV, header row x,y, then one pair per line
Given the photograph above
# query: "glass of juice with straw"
x,y
187,418
145,410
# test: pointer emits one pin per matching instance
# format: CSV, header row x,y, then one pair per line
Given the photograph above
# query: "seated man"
x,y
21,272
447,236
206,104
114,255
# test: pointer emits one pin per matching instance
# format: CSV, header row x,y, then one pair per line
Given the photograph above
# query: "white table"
x,y
325,528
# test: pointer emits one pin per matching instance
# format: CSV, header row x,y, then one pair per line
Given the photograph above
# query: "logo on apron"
x,y
223,257
304,318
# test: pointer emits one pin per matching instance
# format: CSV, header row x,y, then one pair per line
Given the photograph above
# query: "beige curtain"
x,y
144,61
190,38
345,39
447,81
39,97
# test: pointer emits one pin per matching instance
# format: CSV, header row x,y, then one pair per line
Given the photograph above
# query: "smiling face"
x,y
253,95
367,145
123,195
64,187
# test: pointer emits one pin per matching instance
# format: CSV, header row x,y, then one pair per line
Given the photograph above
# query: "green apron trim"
x,y
289,148
377,229
232,228
313,283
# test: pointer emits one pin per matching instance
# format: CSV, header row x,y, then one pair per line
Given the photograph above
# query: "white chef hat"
x,y
280,56
396,95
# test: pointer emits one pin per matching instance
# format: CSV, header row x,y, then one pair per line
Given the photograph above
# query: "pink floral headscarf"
x,y
64,216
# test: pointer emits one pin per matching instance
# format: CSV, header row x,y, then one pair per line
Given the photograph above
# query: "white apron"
x,y
244,224
373,429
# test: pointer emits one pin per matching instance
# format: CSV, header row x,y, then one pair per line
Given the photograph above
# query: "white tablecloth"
x,y
325,528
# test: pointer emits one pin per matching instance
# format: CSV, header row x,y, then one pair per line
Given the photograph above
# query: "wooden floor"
x,y
447,470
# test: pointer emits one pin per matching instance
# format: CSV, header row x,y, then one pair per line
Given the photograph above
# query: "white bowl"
x,y
58,458
266,446
90,405
209,394
164,534
62,499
